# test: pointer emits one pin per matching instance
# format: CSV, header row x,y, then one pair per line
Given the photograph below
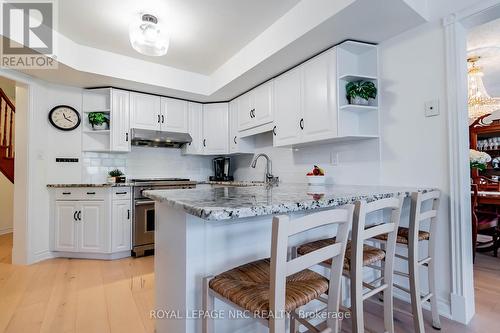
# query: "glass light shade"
x,y
148,37
479,101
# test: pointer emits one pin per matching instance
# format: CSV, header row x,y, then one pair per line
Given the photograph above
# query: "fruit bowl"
x,y
316,180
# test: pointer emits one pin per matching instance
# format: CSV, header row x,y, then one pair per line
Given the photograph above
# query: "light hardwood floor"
x,y
87,296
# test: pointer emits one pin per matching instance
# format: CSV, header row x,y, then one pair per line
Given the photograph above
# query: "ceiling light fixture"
x,y
148,37
479,101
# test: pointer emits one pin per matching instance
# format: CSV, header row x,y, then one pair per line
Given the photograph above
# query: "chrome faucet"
x,y
270,179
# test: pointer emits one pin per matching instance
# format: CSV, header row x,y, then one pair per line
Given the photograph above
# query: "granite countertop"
x,y
89,185
232,202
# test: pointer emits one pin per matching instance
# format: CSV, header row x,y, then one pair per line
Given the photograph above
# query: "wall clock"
x,y
64,117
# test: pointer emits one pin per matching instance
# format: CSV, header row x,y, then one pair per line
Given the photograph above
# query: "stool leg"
x,y
293,324
416,301
358,325
208,306
436,323
388,298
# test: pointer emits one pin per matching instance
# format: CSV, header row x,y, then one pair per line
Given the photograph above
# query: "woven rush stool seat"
x,y
248,286
404,233
371,254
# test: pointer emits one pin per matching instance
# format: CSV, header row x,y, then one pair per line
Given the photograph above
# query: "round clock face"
x,y
64,118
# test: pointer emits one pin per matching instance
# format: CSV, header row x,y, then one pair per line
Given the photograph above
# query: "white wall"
x,y
6,204
414,147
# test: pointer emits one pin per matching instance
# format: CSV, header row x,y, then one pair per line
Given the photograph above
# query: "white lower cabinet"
x,y
122,226
65,225
86,228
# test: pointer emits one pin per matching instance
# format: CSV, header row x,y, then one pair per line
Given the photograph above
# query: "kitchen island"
x,y
205,231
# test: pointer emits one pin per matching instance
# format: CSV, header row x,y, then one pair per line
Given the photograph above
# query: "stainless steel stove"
x,y
143,238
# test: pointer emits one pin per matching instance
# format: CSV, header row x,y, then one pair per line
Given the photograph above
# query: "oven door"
x,y
144,222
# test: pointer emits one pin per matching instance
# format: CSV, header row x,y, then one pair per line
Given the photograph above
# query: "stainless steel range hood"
x,y
160,139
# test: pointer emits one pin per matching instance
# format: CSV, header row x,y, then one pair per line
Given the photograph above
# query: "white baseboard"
x,y
462,310
98,256
6,231
41,256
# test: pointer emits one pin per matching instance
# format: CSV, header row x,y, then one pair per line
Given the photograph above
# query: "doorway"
x,y
7,160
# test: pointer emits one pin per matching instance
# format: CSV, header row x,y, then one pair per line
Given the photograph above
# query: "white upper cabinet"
x,y
245,111
145,111
174,115
287,108
215,129
319,91
255,107
120,121
236,143
195,129
263,104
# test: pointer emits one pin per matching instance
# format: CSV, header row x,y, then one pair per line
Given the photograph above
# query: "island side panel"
x,y
170,268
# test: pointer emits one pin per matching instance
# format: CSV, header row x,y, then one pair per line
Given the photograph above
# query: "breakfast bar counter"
x,y
205,231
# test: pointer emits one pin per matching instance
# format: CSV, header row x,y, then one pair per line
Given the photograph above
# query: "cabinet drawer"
x,y
82,193
120,193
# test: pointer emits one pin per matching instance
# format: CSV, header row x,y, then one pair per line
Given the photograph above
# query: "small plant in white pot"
x,y
99,121
316,176
116,176
360,92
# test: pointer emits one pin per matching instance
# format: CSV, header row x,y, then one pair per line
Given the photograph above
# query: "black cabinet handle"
x,y
274,130
251,114
126,137
79,215
74,216
301,123
90,193
162,119
235,141
121,193
158,119
128,214
66,193
204,142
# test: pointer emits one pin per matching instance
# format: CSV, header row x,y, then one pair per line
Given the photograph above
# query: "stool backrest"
x,y
283,228
418,199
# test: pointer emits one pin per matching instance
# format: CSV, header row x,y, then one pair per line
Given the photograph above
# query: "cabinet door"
x,y
92,231
233,126
215,129
262,104
120,120
245,111
145,111
174,115
287,108
121,232
65,226
319,98
195,129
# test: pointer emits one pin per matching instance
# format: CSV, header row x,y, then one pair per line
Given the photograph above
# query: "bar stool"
x,y
410,238
360,254
274,287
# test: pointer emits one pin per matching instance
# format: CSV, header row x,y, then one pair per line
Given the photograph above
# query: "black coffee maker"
x,y
222,169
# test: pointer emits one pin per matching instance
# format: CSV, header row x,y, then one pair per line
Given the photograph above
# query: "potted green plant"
x,y
360,92
99,121
116,176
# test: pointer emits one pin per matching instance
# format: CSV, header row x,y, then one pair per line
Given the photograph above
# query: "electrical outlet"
x,y
334,158
432,108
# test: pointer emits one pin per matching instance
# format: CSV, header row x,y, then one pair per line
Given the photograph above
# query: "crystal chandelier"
x,y
479,102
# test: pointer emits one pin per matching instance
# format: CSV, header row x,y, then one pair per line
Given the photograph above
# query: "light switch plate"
x,y
334,158
432,108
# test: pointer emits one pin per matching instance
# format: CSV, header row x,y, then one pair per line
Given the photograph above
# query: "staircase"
x,y
7,123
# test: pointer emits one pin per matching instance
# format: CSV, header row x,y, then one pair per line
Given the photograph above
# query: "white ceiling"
x,y
484,41
204,34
